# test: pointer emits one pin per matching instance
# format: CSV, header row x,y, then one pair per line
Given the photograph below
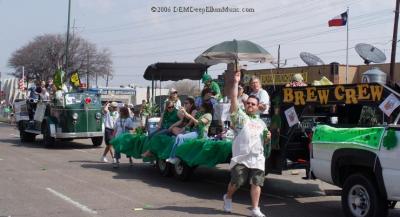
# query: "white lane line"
x,y
69,200
1,159
81,150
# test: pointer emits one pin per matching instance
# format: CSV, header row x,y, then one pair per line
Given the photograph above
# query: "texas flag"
x,y
339,20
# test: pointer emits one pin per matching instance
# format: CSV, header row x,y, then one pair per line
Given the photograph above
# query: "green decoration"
x,y
365,137
59,79
390,140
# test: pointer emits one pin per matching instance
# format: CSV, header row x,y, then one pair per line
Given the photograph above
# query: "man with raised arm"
x,y
248,161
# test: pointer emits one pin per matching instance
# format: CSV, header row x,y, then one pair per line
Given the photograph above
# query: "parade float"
x,y
66,116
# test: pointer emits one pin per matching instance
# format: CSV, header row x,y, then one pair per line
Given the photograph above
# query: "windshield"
x,y
78,98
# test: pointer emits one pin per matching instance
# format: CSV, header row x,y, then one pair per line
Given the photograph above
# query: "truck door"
x,y
389,157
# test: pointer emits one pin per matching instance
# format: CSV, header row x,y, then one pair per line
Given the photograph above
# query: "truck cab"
x,y
362,159
74,115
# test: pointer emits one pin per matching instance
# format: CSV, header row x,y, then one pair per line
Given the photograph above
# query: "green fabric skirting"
x,y
205,152
193,152
366,137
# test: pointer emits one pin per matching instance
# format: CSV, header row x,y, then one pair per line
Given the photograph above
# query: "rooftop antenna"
x,y
370,53
311,59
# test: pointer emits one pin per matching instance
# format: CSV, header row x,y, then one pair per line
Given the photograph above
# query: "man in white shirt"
x,y
261,94
248,160
110,117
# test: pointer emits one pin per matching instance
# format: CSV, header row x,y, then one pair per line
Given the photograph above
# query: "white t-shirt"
x,y
263,96
109,119
248,144
123,125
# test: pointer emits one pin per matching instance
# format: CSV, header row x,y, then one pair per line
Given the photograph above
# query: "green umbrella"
x,y
234,51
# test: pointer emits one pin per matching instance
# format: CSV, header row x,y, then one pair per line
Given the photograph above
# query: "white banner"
x,y
389,104
291,116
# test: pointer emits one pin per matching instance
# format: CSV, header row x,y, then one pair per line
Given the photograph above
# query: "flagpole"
x,y
347,44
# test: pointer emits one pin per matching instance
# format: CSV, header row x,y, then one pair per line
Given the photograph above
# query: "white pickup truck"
x,y
364,162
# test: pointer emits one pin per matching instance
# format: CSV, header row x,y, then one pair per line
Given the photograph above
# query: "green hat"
x,y
205,78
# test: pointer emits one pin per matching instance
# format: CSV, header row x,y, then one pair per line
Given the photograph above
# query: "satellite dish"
x,y
370,53
310,59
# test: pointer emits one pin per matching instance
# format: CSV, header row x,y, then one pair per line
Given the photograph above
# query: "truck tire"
x,y
182,171
164,168
97,141
361,198
26,137
48,141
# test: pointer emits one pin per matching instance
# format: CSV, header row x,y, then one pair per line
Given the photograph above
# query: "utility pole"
x,y
394,44
87,71
108,74
96,80
67,44
279,57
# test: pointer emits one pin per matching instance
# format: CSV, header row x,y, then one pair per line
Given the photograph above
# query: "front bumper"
x,y
77,135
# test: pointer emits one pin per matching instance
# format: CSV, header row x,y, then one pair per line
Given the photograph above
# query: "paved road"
x,y
70,181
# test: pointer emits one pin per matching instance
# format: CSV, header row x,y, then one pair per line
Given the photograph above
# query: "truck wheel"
x,y
182,171
360,198
26,137
97,141
164,168
48,141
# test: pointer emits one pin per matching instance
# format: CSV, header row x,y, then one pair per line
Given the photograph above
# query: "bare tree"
x,y
42,56
186,87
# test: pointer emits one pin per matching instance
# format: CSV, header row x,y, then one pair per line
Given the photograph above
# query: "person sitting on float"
x,y
297,81
173,97
185,124
201,121
169,117
207,96
209,83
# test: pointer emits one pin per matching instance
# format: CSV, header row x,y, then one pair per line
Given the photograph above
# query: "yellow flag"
x,y
75,81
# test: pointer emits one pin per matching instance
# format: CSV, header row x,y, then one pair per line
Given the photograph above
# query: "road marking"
x,y
69,200
14,135
316,199
1,159
81,150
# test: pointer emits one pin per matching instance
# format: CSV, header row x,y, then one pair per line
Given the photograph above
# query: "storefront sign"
x,y
346,94
269,78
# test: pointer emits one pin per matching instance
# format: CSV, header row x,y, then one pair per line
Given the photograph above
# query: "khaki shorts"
x,y
240,174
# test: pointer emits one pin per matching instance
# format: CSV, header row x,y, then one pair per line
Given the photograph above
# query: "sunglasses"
x,y
186,103
251,103
175,92
170,107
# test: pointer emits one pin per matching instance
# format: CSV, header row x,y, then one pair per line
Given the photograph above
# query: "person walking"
x,y
123,124
110,116
248,161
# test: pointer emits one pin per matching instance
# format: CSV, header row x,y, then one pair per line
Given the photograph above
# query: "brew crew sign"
x,y
346,94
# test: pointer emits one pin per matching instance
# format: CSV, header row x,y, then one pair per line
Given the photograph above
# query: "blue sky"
x,y
138,37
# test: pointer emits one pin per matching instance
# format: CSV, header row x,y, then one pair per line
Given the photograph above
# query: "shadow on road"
x,y
59,145
195,210
210,184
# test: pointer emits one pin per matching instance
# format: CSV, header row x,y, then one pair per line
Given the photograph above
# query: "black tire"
x,y
182,171
26,137
48,141
361,198
164,168
97,141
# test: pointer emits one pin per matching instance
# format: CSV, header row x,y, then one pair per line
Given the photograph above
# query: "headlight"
x,y
75,116
98,116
